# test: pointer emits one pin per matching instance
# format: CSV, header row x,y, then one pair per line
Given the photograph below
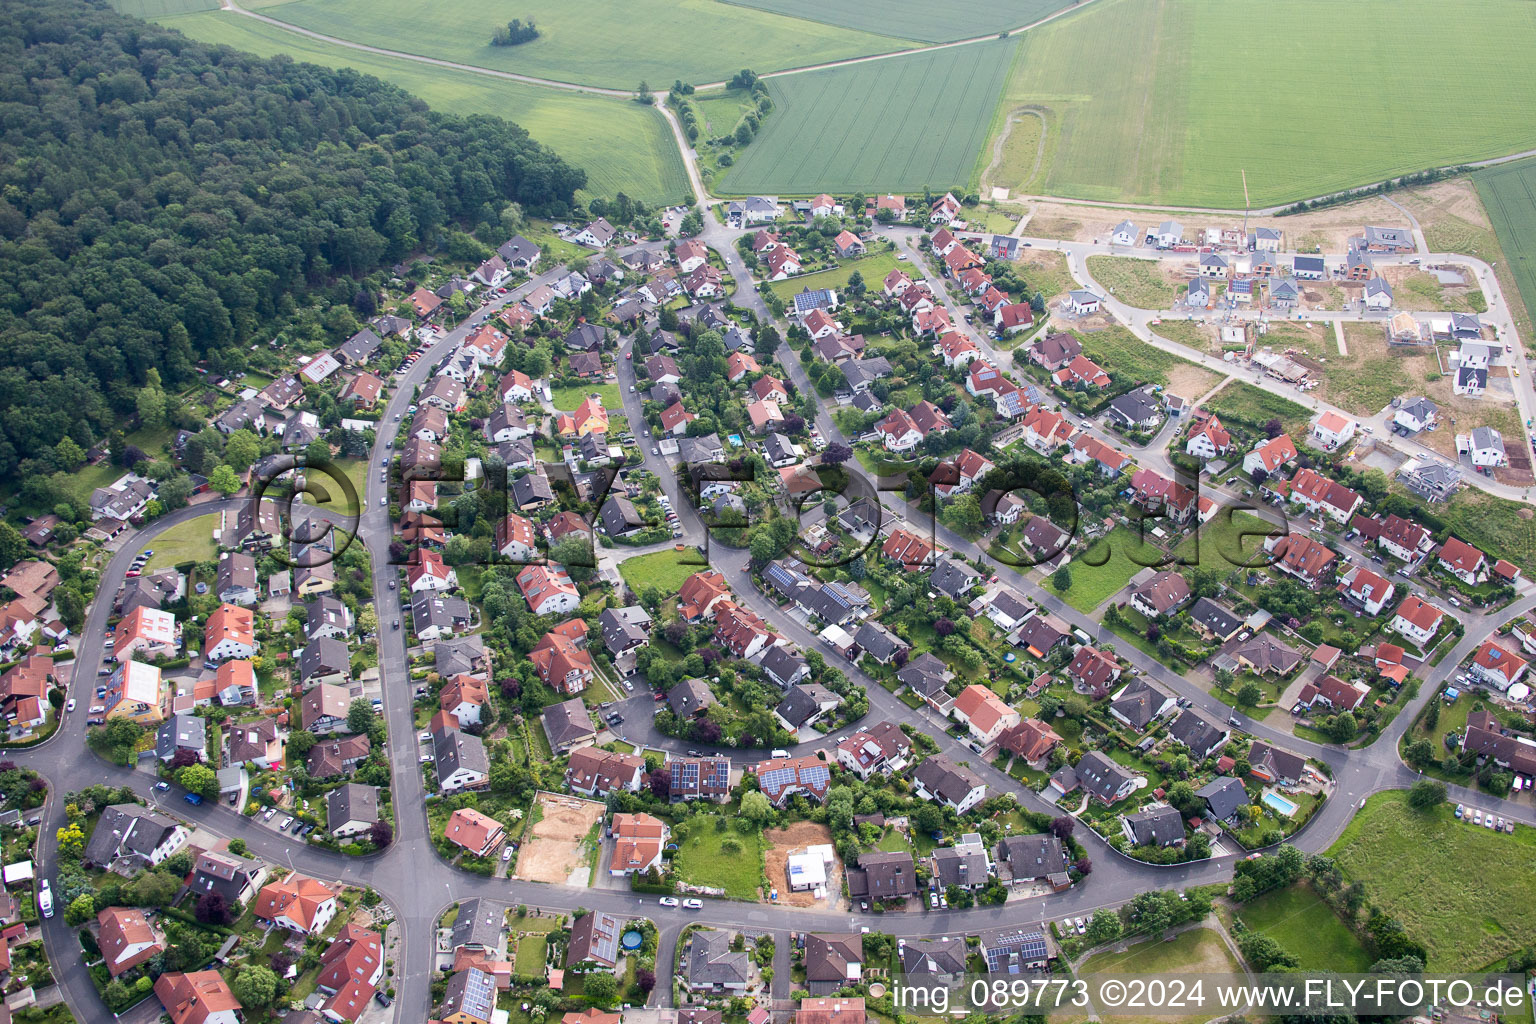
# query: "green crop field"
x,y
1142,120
591,42
899,125
1509,194
1415,866
940,22
622,146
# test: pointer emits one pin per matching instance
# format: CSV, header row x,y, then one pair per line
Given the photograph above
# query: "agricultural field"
x,y
622,146
152,9
941,22
1155,62
1301,922
1117,350
1414,867
873,268
1136,282
584,42
1509,194
898,125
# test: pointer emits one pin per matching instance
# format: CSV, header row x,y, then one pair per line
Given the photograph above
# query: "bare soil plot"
x,y
1045,271
784,841
553,849
1416,289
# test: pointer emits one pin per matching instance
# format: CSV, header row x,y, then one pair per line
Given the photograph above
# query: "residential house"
x,y
1332,430
568,726
1155,826
1104,780
984,714
297,903
833,961
1160,595
942,780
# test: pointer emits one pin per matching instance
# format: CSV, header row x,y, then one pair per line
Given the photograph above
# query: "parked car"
x,y
693,904
668,901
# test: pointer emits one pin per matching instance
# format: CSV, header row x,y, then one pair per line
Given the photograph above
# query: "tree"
x,y
1061,580
1420,754
199,778
1426,793
645,978
237,847
600,988
212,908
964,515
381,833
1249,694
224,480
836,454
1104,927
81,909
755,807
1062,826
360,716
255,986
71,840
1342,728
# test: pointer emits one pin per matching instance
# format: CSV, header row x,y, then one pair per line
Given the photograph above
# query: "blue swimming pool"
x,y
1280,804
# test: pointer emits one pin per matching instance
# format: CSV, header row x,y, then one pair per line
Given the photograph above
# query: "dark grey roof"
x,y
1223,796
777,447
323,613
1101,776
181,732
1139,702
1135,407
690,697
531,488
361,347
925,674
585,338
932,958
351,802
945,779
952,577
459,656
882,875
567,721
620,516
711,961
878,641
430,608
1032,856
1195,732
324,656
1214,617
803,702
454,750
129,832
782,662
955,866
518,249
623,628
479,924
1158,826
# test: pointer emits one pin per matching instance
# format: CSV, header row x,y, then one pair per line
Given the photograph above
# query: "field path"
x,y
1002,138
1338,336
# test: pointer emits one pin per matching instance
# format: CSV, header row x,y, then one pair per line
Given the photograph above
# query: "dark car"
x,y
382,999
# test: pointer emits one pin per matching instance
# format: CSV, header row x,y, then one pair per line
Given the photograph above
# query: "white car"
x,y
45,898
267,814
70,704
668,901
506,852
97,709
1081,926
693,904
282,826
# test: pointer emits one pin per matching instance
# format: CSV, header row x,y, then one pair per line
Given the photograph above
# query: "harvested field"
x,y
784,841
555,848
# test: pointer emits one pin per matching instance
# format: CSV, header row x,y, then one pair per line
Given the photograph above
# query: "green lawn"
x,y
1154,61
874,268
1227,542
191,541
1197,951
1301,922
1137,282
1120,555
891,125
1247,405
664,569
701,859
1463,891
567,399
622,146
589,42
